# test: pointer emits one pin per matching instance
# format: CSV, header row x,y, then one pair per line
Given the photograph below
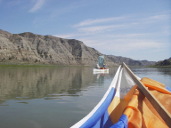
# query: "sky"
x,y
138,29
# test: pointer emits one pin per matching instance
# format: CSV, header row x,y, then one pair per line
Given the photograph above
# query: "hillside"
x,y
129,61
166,62
31,48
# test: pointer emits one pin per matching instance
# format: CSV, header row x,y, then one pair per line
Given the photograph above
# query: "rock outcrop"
x,y
31,48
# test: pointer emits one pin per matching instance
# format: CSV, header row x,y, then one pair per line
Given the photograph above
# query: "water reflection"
x,y
55,97
52,82
162,71
165,71
162,75
26,83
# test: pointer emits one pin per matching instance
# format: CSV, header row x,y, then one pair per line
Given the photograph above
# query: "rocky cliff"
x,y
32,48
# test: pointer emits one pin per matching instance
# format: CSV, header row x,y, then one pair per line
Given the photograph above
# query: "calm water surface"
x,y
49,97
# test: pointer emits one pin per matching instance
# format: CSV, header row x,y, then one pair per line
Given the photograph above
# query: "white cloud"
x,y
65,35
160,17
37,5
129,35
96,21
125,44
97,29
125,22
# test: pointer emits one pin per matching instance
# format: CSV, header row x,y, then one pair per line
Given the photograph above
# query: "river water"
x,y
56,97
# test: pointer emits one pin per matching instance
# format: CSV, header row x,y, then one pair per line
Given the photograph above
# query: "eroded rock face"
x,y
31,48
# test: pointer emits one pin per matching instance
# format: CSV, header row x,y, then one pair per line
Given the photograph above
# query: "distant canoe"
x,y
131,102
101,66
96,71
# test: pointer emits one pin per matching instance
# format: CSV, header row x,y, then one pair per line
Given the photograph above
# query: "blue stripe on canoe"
x,y
122,123
97,117
104,121
168,88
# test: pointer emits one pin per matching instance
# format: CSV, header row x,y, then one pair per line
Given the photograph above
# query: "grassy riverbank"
x,y
39,65
29,65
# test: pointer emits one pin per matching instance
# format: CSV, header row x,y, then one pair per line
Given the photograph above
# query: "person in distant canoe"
x,y
104,66
101,63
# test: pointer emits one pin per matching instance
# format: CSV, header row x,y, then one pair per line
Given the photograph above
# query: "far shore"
x,y
63,65
38,65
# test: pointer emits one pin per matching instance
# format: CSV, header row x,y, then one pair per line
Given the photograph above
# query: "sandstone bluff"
x,y
29,48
